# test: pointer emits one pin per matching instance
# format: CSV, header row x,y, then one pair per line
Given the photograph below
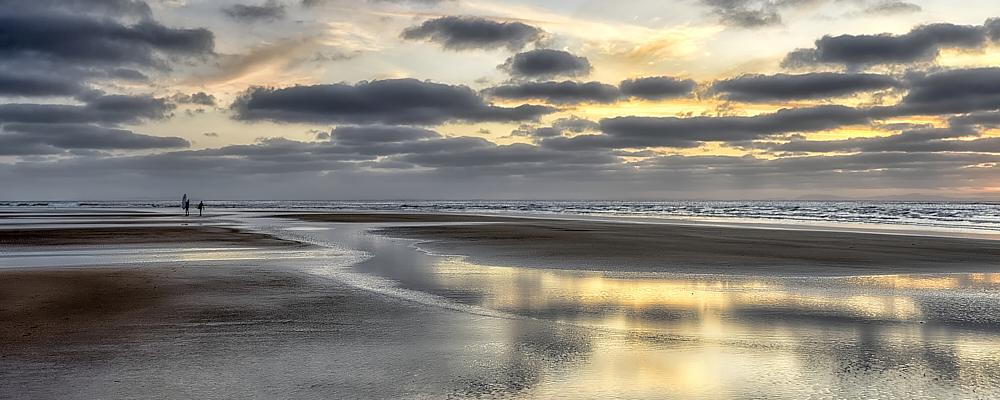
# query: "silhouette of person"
x,y
201,206
185,203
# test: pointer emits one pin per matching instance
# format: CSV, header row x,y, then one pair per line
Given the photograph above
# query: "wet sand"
x,y
248,328
689,249
124,235
259,328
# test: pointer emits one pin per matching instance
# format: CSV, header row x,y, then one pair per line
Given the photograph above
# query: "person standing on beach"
x,y
201,206
185,203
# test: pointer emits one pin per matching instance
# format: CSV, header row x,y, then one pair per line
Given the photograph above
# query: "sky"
x,y
488,99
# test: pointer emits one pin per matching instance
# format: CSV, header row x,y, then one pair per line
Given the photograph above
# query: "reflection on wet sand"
x,y
720,336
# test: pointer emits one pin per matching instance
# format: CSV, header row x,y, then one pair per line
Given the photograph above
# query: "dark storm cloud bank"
x,y
268,12
393,102
32,139
545,63
784,87
358,148
466,33
922,43
443,163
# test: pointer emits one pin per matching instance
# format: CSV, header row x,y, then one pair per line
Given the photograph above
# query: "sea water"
x,y
948,215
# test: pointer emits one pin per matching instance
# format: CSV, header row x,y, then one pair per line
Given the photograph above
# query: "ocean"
x,y
962,216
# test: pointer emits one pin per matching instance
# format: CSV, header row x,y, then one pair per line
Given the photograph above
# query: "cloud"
x,y
33,83
657,87
360,135
746,13
566,92
127,74
467,33
922,43
19,139
783,87
524,155
948,92
101,109
546,63
389,102
892,7
124,8
63,37
201,98
917,140
559,127
642,132
992,27
985,119
269,12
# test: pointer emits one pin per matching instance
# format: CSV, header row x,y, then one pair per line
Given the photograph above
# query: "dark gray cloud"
x,y
783,87
566,92
992,27
391,102
922,43
358,135
537,158
576,124
62,47
201,98
892,7
985,119
313,3
27,139
102,8
559,127
917,140
127,74
467,33
545,63
641,132
102,109
657,87
31,84
81,40
746,13
268,12
948,92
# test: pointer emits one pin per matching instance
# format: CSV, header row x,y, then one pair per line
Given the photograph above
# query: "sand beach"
x,y
107,304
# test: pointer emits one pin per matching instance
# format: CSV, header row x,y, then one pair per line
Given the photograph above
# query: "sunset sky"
x,y
484,99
